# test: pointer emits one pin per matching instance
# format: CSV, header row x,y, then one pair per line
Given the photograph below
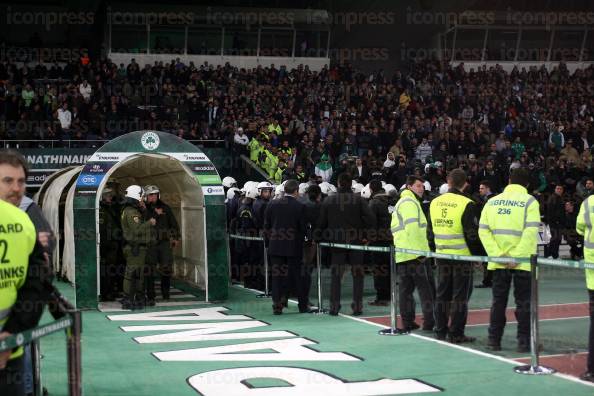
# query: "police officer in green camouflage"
x,y
160,253
138,234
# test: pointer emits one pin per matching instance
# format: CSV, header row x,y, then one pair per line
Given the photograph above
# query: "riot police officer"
x,y
137,235
160,253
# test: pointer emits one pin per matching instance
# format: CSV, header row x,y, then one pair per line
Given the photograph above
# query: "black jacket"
x,y
259,208
378,205
312,214
284,227
344,218
166,227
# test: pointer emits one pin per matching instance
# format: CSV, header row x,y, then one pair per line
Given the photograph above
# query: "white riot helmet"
x,y
252,192
327,188
388,188
357,188
229,182
366,192
333,189
134,191
427,185
279,191
231,192
303,188
444,188
265,185
249,185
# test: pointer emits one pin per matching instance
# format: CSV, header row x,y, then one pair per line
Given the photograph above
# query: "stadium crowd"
x,y
303,124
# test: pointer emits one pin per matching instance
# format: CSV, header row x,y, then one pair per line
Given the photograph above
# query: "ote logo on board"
x,y
150,140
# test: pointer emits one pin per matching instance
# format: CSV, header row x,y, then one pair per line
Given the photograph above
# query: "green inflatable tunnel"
x,y
189,183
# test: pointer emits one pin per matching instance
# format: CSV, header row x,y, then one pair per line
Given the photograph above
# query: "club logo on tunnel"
x,y
150,140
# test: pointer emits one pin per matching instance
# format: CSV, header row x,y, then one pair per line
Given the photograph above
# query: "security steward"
x,y
409,230
137,236
110,231
22,295
454,223
584,227
160,253
508,228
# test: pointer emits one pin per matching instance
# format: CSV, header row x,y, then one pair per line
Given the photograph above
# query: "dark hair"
x,y
458,178
519,176
313,192
487,184
291,186
14,159
410,180
345,180
375,185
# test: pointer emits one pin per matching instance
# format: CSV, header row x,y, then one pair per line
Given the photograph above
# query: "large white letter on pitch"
x,y
232,382
206,332
291,349
197,314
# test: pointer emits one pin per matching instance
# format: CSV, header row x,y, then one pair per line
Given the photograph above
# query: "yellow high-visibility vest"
x,y
17,240
584,227
509,226
446,218
409,226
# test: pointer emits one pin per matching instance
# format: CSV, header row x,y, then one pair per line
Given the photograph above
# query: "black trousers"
x,y
591,339
159,260
109,269
288,273
12,378
416,273
502,279
340,260
553,247
381,275
309,264
454,287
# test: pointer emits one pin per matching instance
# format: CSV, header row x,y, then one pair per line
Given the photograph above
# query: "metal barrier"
x,y
72,323
534,368
265,250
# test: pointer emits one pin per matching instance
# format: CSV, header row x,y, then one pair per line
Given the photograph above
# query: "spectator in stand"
x,y
324,168
240,142
85,90
555,219
423,151
569,153
65,118
557,139
569,232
